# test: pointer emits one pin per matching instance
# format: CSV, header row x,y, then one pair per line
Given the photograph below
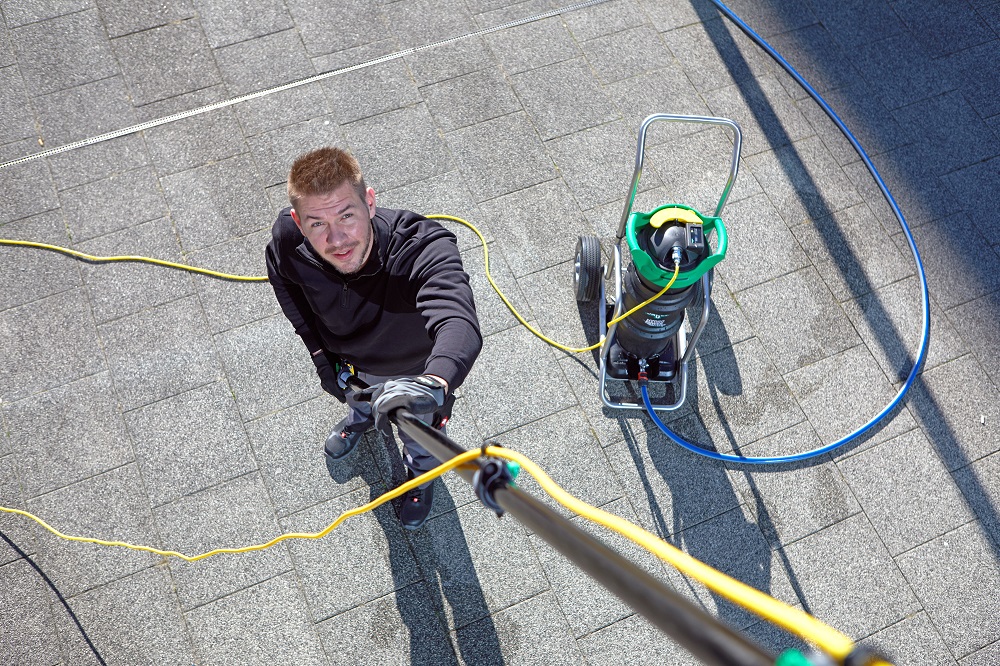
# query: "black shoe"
x,y
416,505
341,442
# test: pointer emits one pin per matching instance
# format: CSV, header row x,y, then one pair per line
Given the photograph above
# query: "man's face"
x,y
338,226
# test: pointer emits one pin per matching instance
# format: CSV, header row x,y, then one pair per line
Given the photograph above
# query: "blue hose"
x,y
921,356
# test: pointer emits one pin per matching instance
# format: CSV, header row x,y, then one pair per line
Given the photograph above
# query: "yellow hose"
x,y
145,260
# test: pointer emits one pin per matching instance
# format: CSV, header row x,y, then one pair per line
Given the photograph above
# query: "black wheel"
x,y
587,269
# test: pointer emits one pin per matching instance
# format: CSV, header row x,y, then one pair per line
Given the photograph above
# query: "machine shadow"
x,y
431,641
914,172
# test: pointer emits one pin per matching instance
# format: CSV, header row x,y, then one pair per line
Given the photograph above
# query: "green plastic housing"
x,y
647,266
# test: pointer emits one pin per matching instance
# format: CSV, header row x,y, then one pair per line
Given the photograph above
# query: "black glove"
x,y
328,376
419,395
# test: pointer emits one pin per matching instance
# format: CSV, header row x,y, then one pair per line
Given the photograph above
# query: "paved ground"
x,y
160,408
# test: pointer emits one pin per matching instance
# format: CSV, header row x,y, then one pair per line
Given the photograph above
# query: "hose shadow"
x,y
449,582
928,412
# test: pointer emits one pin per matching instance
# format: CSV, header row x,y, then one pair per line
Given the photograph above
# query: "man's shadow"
x,y
421,604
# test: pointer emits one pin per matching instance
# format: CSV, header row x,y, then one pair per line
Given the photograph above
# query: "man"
x,y
382,290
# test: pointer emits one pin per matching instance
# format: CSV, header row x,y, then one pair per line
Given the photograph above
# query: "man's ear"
x,y
370,201
295,218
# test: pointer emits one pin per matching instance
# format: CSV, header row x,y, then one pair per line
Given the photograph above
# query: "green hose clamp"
x,y
648,268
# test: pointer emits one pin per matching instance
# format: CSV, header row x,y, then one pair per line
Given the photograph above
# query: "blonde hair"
x,y
323,170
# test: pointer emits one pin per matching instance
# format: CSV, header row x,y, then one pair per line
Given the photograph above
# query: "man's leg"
x,y
346,434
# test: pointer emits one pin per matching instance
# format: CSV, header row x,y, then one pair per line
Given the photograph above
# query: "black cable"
x,y
62,599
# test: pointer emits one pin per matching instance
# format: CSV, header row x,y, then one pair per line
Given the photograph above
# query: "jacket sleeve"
x,y
290,295
444,298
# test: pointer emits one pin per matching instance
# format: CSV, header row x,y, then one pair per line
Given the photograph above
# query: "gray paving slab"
x,y
500,156
26,607
27,274
849,23
98,161
110,506
531,632
588,606
922,195
401,627
183,356
467,557
64,51
229,304
288,447
581,373
627,53
166,61
26,189
604,19
263,62
446,194
803,181
966,69
670,489
619,643
899,68
563,97
189,442
57,444
712,53
417,22
274,609
558,315
964,561
93,210
363,559
18,120
135,619
727,322
227,22
971,320
741,395
188,101
909,497
973,185
983,657
842,250
231,514
964,141
533,218
794,500
218,202
566,448
329,28
366,92
58,322
503,400
890,323
266,366
263,114
733,544
946,31
666,90
22,13
695,167
797,319
814,53
849,579
195,141
84,110
842,392
956,405
533,45
122,17
914,640
596,163
769,21
17,528
398,147
109,285
469,99
493,314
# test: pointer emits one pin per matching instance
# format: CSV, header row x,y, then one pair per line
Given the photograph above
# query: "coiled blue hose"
x,y
921,356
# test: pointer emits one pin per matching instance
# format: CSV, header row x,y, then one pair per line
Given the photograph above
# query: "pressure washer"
x,y
671,269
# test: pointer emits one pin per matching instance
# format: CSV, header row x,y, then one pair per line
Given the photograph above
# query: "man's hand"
x,y
328,376
419,395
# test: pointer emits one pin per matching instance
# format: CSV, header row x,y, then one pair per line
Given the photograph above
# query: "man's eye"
x,y
317,224
348,215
